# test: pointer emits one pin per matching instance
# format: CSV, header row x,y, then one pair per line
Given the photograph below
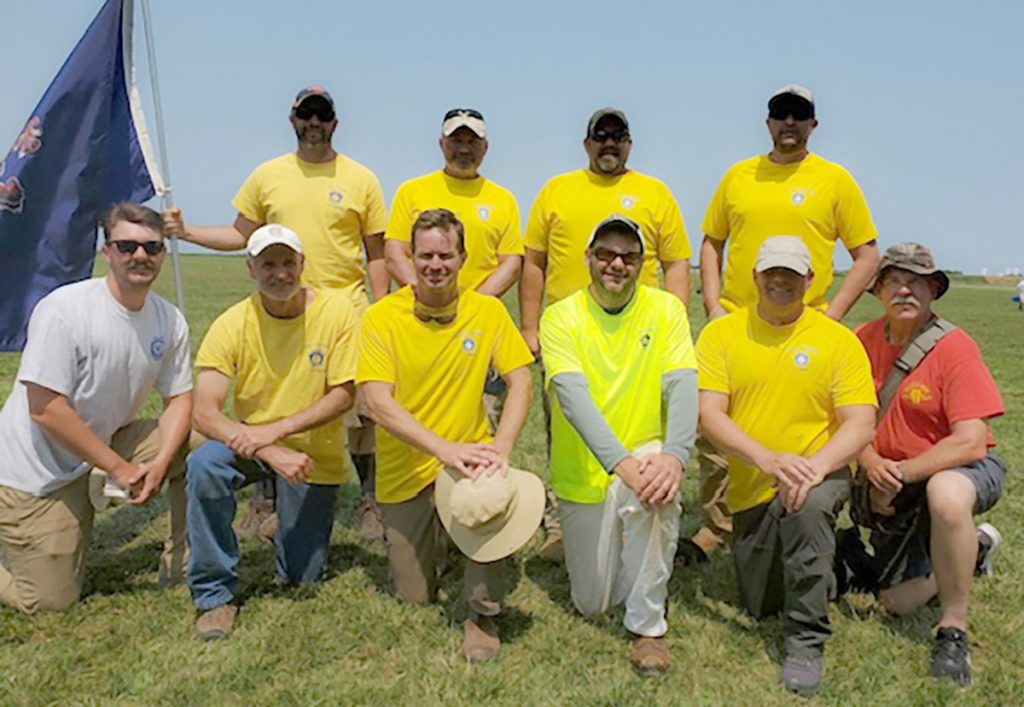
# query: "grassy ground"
x,y
347,641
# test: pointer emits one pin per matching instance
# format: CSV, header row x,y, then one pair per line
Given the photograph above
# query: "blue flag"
x,y
79,153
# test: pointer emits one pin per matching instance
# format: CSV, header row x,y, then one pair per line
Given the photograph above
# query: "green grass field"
x,y
348,641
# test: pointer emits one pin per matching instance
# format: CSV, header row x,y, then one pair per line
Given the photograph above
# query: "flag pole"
x,y
165,165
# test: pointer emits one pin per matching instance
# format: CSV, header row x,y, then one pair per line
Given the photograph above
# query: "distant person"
x,y
1020,293
488,212
290,351
95,351
789,190
620,362
337,207
562,221
424,352
930,468
786,394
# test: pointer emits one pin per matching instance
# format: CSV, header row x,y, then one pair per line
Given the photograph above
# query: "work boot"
x,y
480,640
216,623
951,656
649,656
371,527
801,672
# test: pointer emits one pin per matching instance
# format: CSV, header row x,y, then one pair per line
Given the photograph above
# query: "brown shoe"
x,y
650,656
480,639
268,529
216,623
371,528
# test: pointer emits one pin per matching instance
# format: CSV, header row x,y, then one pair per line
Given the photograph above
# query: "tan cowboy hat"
x,y
490,517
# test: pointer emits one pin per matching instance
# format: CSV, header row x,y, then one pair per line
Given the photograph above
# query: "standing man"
x,y
291,352
931,460
786,393
562,222
488,212
337,207
620,361
95,351
424,352
789,190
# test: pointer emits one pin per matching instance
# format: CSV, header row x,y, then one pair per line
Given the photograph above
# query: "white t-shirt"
x,y
85,345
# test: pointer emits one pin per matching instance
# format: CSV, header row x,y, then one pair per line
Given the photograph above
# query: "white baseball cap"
x,y
273,234
783,252
464,118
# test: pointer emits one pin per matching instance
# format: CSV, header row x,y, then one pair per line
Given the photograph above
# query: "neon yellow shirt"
x,y
438,372
814,199
784,385
488,213
332,206
571,205
623,358
282,366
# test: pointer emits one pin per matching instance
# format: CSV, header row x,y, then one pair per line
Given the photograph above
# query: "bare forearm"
x,y
376,265
335,402
531,291
677,279
849,441
504,276
517,405
225,238
729,438
390,415
861,272
399,262
63,425
948,453
174,424
711,272
211,422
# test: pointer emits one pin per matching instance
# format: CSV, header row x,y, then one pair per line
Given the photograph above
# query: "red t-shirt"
x,y
951,384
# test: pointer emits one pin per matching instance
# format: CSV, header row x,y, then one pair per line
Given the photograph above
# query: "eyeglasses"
x,y
618,136
896,281
608,256
463,112
800,110
128,247
321,110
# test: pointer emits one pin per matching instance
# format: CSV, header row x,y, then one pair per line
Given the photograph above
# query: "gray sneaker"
x,y
801,673
989,540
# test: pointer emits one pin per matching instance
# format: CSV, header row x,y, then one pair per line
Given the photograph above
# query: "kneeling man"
x,y
291,351
423,357
786,392
620,362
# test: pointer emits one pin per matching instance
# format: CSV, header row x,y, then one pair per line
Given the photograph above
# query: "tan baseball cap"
x,y
914,258
783,252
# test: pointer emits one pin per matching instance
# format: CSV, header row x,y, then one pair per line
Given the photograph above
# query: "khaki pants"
x,y
45,537
712,485
417,549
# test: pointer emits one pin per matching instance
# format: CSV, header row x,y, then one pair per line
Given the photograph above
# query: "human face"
x,y
137,269
463,152
905,295
607,260
277,271
311,129
781,287
790,135
608,146
437,260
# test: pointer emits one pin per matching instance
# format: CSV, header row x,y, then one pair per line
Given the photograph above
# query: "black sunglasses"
x,y
128,247
322,111
620,135
471,112
800,110
608,256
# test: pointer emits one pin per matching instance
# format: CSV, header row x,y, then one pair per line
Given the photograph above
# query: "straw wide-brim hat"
x,y
490,517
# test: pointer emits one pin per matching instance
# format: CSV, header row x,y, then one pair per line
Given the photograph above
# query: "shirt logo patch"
x,y
157,347
335,197
469,344
802,356
916,393
798,196
483,212
316,358
645,339
627,201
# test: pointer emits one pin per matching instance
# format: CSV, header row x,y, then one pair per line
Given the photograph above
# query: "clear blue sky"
x,y
922,101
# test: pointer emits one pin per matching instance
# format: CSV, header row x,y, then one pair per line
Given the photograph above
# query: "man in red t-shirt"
x,y
931,456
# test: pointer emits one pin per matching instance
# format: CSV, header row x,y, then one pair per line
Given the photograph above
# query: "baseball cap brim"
x,y
477,125
619,224
602,113
272,234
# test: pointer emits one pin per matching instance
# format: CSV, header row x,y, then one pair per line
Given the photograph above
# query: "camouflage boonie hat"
x,y
914,258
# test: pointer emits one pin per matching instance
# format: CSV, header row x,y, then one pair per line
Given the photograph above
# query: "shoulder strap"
x,y
910,358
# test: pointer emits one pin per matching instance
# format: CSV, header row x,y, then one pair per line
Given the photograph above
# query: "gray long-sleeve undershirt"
x,y
678,390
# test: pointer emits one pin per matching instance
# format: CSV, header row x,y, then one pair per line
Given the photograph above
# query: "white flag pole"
x,y
165,165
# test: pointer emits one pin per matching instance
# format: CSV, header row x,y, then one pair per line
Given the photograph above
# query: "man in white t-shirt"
x,y
95,350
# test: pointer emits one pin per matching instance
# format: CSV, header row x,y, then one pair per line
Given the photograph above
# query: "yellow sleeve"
x,y
341,360
712,367
673,243
537,226
853,218
558,348
375,220
716,220
851,374
219,349
249,201
510,349
400,223
511,240
679,353
376,355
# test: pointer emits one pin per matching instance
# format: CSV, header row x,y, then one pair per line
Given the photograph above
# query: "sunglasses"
x,y
608,256
322,111
468,112
602,135
800,110
128,247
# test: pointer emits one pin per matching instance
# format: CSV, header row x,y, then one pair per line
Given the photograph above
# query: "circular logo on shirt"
x,y
335,197
801,360
797,196
469,344
484,212
627,201
157,347
917,393
316,358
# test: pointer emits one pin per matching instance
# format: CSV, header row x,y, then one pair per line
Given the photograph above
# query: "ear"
x,y
250,265
486,145
105,249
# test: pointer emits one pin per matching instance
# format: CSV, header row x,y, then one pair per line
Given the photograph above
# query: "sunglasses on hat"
x,y
469,112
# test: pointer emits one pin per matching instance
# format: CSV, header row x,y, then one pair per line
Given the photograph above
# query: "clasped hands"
x,y
794,476
474,459
260,442
654,478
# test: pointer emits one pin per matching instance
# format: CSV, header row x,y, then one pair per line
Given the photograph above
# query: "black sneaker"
x,y
690,554
951,657
989,540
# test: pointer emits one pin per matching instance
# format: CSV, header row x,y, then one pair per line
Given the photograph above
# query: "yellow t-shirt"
x,y
332,206
488,212
814,199
438,372
623,358
282,366
571,205
784,385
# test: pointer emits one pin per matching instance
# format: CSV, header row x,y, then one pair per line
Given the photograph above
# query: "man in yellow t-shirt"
x,y
787,191
336,206
786,393
424,352
620,362
291,352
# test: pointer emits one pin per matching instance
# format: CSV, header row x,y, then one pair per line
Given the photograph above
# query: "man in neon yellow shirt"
x,y
786,393
620,362
291,351
336,206
424,352
793,191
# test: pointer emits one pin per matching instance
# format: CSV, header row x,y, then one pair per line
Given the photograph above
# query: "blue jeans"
x,y
305,515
